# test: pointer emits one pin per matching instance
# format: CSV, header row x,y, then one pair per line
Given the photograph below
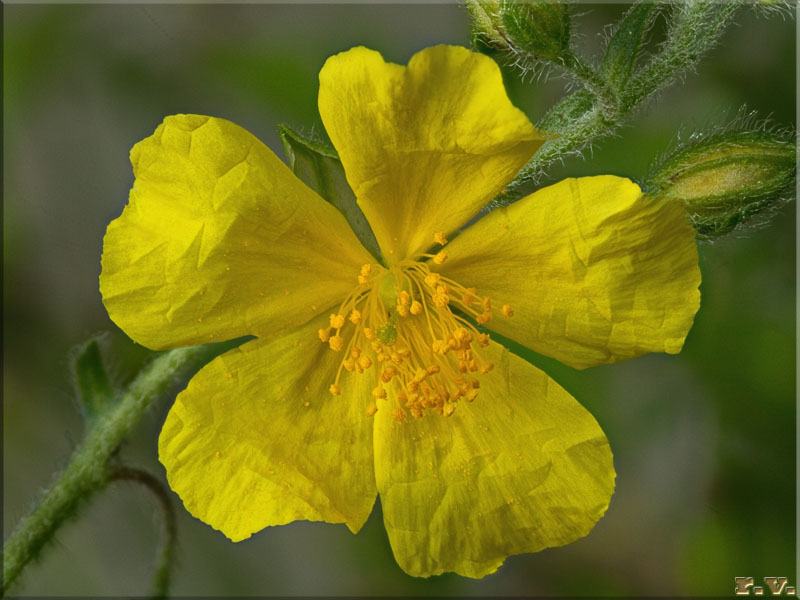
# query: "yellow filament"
x,y
416,326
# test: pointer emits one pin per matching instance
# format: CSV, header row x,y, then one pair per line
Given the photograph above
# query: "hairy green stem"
x,y
581,129
597,110
605,96
696,28
89,468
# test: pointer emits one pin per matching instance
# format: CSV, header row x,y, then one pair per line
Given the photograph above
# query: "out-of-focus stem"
x,y
89,468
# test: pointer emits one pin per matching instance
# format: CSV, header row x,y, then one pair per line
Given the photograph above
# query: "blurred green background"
x,y
704,442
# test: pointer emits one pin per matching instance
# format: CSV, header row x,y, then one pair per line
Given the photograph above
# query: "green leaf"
x,y
318,166
624,45
92,383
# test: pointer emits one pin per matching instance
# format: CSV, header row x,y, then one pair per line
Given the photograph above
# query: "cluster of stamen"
x,y
402,323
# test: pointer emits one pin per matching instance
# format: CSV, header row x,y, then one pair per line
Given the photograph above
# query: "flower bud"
x,y
724,179
539,29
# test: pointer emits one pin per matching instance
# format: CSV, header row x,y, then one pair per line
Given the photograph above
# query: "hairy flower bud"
x,y
540,30
724,179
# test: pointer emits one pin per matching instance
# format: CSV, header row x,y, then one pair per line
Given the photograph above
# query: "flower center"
x,y
402,323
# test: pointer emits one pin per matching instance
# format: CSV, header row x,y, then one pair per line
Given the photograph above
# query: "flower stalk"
x,y
161,579
609,97
90,468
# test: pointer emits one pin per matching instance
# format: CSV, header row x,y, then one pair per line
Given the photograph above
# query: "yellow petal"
x,y
424,147
522,468
594,271
256,439
219,239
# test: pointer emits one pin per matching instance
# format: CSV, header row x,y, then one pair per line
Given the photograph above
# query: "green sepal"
x,y
724,179
93,386
483,30
625,44
318,166
538,30
566,112
541,29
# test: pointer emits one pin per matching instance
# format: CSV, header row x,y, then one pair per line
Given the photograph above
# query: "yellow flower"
x,y
368,377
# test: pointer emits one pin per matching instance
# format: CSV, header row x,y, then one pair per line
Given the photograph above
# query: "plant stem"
x,y
605,96
597,110
695,29
89,470
164,565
